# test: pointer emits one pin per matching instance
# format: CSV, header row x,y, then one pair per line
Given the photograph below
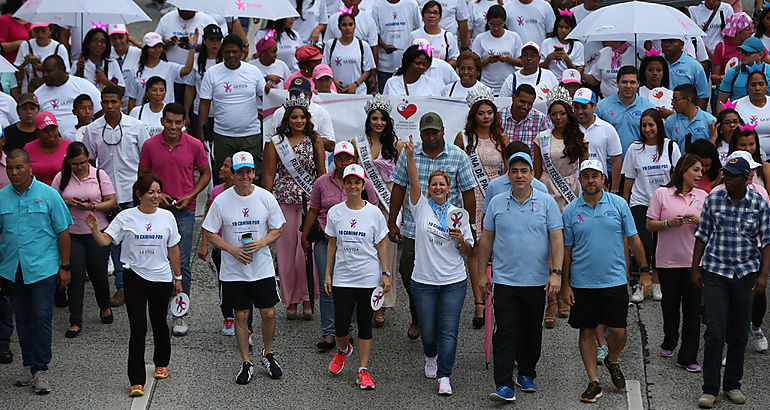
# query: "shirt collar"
x,y
531,194
418,150
582,202
182,139
29,188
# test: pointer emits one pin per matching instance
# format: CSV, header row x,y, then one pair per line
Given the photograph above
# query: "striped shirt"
x,y
526,130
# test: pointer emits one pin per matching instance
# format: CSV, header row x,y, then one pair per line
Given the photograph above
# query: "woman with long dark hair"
x,y
85,188
560,52
350,59
647,166
296,136
709,158
150,111
409,79
763,27
721,134
484,140
208,55
754,108
653,73
95,64
287,40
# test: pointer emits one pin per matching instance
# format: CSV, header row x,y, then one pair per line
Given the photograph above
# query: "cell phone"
x,y
184,42
34,59
85,201
560,48
245,238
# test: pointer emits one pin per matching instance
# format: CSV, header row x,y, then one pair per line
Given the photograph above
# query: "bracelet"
x,y
665,223
178,277
192,47
319,28
645,269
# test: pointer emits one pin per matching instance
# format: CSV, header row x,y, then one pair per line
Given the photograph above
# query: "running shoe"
x,y
638,295
431,366
616,375
180,327
526,384
27,379
657,294
706,401
244,376
760,341
503,393
601,353
692,368
444,388
136,390
338,362
161,373
364,380
272,365
666,353
229,328
736,396
593,392
42,387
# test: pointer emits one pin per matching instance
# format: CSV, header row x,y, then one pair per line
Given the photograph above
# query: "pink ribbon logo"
x,y
353,223
180,304
240,4
148,227
456,219
245,212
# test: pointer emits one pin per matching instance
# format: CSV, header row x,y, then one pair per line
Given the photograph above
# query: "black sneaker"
x,y
593,392
324,346
244,376
272,366
616,376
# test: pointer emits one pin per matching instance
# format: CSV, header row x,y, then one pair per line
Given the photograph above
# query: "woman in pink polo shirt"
x,y
674,214
46,153
84,191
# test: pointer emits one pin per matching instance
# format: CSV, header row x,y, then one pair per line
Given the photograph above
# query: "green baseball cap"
x,y
431,121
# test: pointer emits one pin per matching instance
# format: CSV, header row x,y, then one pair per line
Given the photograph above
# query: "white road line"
x,y
142,402
634,395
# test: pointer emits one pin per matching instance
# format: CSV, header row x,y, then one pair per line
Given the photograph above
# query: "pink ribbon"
x,y
343,11
565,12
617,53
456,219
728,104
747,127
652,52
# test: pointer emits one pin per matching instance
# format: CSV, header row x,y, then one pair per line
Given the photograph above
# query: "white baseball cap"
x,y
531,44
745,155
354,169
570,75
584,96
242,159
344,146
591,164
117,29
152,39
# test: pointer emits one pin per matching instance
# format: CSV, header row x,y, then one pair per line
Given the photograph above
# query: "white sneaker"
x,y
444,388
431,366
229,327
638,295
760,341
657,294
724,361
180,327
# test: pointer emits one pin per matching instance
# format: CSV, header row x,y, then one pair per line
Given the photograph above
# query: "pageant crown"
x,y
481,93
558,93
378,102
296,101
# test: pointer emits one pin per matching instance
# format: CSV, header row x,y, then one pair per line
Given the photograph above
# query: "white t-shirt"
x,y
648,170
233,95
760,117
423,87
700,14
531,21
145,240
581,12
477,16
114,73
542,79
444,43
366,28
356,263
59,101
723,150
452,11
437,259
286,48
8,114
558,66
313,14
319,116
603,71
41,53
603,140
171,25
79,133
485,45
442,72
135,83
130,61
456,89
195,78
394,23
236,215
278,68
151,120
346,61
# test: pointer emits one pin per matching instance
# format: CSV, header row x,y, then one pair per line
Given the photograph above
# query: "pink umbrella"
x,y
488,321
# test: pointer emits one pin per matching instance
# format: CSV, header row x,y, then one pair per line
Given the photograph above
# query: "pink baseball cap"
x,y
117,29
45,119
570,75
344,146
322,70
36,25
354,169
308,53
152,39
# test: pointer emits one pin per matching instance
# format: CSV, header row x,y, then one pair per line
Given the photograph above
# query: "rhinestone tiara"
x,y
378,102
296,101
558,93
481,93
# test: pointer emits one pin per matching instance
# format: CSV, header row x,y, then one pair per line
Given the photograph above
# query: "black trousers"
x,y
346,302
142,294
678,292
758,308
518,331
405,268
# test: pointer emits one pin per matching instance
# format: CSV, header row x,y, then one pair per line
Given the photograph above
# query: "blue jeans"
x,y
33,306
115,255
6,319
185,223
439,308
326,302
728,317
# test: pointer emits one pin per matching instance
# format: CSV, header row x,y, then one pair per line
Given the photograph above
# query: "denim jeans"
x,y
87,257
6,318
185,223
439,308
33,306
728,316
326,302
115,255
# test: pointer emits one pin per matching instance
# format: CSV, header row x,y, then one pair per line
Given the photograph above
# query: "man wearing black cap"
x,y
729,273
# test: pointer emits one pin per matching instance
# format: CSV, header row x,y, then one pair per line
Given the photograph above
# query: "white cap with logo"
x,y
242,159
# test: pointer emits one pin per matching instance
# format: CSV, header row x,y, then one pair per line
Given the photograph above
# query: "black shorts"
x,y
240,294
606,306
649,239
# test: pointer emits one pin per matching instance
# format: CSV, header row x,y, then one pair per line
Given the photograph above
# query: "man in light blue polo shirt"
x,y
34,259
733,85
502,184
683,69
690,123
594,280
522,228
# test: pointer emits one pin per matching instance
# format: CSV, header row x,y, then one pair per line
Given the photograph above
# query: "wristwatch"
x,y
386,273
65,267
556,271
473,227
178,277
645,269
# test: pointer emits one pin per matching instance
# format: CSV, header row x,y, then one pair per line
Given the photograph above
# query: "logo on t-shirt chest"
x,y
230,86
57,103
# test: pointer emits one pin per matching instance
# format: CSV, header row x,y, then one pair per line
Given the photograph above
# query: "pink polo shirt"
x,y
175,167
45,166
326,193
3,174
88,187
675,245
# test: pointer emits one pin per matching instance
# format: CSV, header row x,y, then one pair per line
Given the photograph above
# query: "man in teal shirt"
x,y
34,259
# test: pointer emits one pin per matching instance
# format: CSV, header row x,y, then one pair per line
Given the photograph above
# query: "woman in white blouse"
x,y
409,79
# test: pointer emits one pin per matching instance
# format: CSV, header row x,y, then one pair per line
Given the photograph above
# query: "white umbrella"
x,y
74,12
635,21
5,66
263,9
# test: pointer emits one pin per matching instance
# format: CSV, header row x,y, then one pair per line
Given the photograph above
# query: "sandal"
x,y
478,322
291,312
379,317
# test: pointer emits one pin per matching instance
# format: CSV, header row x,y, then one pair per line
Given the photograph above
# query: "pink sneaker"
x,y
338,362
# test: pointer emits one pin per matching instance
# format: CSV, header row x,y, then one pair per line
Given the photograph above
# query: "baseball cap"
x,y
242,159
521,155
745,155
28,98
344,146
45,119
301,84
591,164
36,25
117,29
308,53
752,45
737,166
570,75
354,169
212,31
152,39
431,121
322,70
531,44
584,96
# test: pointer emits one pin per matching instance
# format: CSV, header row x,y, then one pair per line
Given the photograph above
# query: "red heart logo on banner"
x,y
658,94
407,110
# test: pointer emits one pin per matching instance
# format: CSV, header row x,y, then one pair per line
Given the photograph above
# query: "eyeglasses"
x,y
111,138
733,122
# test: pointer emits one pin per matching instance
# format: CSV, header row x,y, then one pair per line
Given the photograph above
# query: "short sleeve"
x,y
489,219
452,51
579,58
566,219
207,86
655,209
116,75
96,96
213,220
201,159
22,52
115,228
614,147
369,63
627,219
56,182
553,214
131,86
701,83
487,199
380,226
61,218
330,230
675,155
764,227
315,196
476,47
87,142
399,176
506,90
173,232
726,86
629,162
145,158
717,57
462,12
275,218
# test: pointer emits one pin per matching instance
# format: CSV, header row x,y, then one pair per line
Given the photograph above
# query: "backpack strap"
x,y
361,49
331,49
446,41
670,152
451,90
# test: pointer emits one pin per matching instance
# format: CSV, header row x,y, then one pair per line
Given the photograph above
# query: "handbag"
x,y
110,213
316,234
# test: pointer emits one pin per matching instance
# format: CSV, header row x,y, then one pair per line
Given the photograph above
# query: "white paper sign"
x,y
732,63
661,97
457,219
378,298
180,304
